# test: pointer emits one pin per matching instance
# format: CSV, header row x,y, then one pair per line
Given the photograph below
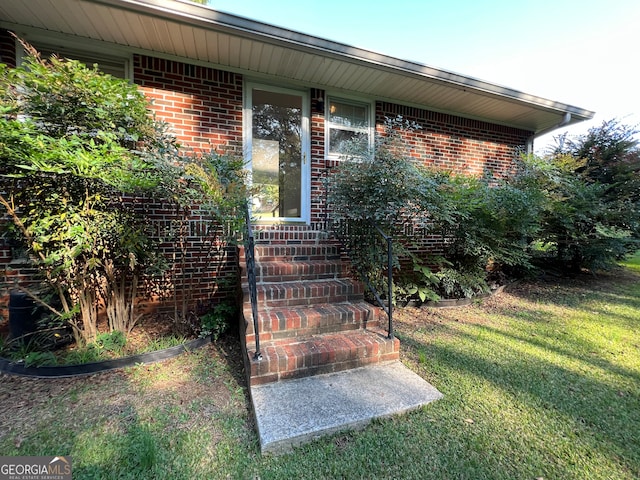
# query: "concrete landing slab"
x,y
293,412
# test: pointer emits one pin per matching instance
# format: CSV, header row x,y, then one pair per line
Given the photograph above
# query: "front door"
x,y
278,151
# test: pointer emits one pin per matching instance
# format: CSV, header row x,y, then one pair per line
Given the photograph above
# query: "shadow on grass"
x,y
601,303
620,286
581,350
193,421
182,418
547,366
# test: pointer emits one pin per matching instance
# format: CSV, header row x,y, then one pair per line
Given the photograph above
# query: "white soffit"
x,y
193,32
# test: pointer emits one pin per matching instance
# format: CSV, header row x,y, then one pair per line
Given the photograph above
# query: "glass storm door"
x,y
278,149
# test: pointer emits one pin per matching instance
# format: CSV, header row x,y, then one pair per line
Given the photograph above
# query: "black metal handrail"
x,y
388,308
250,259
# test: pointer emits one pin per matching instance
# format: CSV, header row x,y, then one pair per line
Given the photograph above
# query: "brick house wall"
x,y
203,269
457,144
204,108
203,105
320,167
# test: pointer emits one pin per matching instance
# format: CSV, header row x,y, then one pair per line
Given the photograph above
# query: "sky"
x,y
579,52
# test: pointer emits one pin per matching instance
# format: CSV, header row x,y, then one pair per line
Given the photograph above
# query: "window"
x,y
117,66
347,121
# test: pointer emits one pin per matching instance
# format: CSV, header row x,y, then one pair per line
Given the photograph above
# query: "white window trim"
x,y
327,124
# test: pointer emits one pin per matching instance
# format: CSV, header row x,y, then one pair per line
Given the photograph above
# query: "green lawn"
x,y
542,381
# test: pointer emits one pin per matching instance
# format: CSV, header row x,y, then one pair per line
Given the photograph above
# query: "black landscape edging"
x,y
17,368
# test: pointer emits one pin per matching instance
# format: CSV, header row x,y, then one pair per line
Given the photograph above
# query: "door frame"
x,y
305,171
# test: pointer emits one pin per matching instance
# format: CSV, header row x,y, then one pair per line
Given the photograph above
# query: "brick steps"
x,y
308,292
286,271
321,354
312,317
297,252
290,322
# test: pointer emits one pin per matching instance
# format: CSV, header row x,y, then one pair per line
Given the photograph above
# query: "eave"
x,y
195,33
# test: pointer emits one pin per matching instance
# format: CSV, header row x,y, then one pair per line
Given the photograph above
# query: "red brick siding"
x,y
204,108
457,144
202,268
444,141
203,105
319,167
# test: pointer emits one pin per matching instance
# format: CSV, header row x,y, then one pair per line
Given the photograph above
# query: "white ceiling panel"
x,y
198,33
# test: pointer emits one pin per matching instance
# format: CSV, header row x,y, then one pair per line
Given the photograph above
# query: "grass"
x,y
542,381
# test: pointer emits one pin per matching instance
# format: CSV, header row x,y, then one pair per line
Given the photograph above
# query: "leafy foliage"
x,y
491,224
70,141
382,187
592,212
66,98
77,147
575,212
379,185
217,320
610,156
213,187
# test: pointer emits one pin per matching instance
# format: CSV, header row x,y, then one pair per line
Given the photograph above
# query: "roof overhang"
x,y
195,33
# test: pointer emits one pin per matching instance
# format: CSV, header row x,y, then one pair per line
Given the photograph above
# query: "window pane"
x,y
277,153
339,138
114,66
348,115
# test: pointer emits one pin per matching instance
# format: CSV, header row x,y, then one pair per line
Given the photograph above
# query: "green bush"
x,y
492,222
213,186
383,191
75,144
70,142
111,342
580,225
217,321
574,212
381,185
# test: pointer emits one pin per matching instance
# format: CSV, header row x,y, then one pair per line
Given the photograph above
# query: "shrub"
x,y
546,205
608,161
384,191
381,185
217,321
579,226
111,342
71,143
462,283
491,223
213,185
